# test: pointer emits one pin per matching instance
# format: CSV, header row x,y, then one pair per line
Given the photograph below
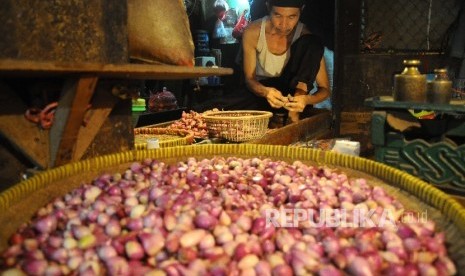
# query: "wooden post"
x,y
69,116
347,42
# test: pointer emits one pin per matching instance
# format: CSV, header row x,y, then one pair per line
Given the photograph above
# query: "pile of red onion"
x,y
207,217
192,121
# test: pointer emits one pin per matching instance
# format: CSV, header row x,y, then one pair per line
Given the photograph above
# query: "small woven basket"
x,y
237,125
167,137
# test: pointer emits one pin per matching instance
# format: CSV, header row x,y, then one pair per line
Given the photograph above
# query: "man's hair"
x,y
286,3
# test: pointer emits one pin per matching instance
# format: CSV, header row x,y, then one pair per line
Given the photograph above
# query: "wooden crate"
x,y
356,126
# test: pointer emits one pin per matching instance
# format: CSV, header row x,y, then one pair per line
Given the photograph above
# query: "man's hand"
x,y
275,98
296,103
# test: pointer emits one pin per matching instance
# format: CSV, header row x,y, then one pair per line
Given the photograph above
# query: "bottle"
x,y
440,89
410,85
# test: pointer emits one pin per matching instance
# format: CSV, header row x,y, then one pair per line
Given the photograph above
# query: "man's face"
x,y
284,19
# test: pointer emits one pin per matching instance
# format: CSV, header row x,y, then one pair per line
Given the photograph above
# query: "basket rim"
x,y
181,136
260,115
162,130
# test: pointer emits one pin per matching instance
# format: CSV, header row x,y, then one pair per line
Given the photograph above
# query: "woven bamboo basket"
x,y
167,137
19,203
237,125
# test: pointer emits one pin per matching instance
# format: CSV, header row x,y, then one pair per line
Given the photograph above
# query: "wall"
x,y
64,30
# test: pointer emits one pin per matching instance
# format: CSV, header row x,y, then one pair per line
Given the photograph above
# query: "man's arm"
x,y
249,44
299,102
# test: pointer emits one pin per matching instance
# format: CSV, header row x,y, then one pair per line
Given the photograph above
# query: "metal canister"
x,y
410,85
439,90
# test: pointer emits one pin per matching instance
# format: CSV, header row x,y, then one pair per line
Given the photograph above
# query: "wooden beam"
x,y
102,105
25,136
69,116
28,68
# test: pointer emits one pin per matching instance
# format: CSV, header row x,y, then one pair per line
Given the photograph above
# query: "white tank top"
x,y
269,64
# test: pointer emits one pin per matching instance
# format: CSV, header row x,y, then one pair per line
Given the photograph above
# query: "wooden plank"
x,y
11,67
102,105
356,126
25,136
314,127
68,118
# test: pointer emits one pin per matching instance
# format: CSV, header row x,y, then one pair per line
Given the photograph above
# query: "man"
x,y
282,59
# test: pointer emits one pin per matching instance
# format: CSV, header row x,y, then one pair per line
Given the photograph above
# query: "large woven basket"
x,y
19,203
167,137
238,125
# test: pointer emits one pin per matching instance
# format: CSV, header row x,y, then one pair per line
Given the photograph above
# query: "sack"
x,y
159,31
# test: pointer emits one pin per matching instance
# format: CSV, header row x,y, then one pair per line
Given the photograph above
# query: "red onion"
x,y
263,268
135,224
59,255
79,231
46,224
134,250
106,252
427,269
192,238
34,267
117,266
205,221
187,255
329,270
151,242
282,270
172,242
360,266
87,241
240,251
248,261
404,231
74,262
113,228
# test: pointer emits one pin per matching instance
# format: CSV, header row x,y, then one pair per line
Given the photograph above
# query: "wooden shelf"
x,y
68,140
27,68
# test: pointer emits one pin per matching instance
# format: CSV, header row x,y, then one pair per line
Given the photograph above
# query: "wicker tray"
x,y
167,137
20,202
238,125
